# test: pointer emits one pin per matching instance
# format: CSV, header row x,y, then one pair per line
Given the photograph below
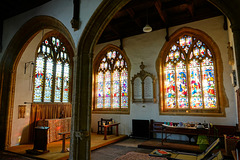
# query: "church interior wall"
x,y
145,48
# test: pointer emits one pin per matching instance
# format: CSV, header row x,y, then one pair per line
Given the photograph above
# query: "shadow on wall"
x,y
24,139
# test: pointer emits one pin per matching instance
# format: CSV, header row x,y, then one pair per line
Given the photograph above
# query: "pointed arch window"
x,y
111,80
190,82
52,72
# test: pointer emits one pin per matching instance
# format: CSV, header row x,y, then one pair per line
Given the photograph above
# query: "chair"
x,y
237,150
101,128
191,156
216,156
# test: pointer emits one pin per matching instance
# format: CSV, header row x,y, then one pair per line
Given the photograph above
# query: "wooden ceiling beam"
x,y
132,14
114,30
190,8
173,3
162,14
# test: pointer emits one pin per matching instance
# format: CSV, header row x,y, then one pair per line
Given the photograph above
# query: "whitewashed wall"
x,y
62,10
23,93
146,47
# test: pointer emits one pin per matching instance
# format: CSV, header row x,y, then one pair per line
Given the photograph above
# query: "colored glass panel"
x,y
38,87
196,88
100,87
66,82
177,54
202,51
188,40
107,90
195,85
116,89
58,82
182,85
182,42
124,88
186,49
49,49
208,83
196,52
48,80
170,91
174,47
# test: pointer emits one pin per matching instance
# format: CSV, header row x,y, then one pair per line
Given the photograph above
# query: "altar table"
x,y
56,126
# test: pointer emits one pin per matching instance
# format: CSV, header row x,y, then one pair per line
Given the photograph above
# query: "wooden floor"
x,y
56,147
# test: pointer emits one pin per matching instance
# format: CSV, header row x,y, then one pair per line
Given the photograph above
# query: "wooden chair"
x,y
101,128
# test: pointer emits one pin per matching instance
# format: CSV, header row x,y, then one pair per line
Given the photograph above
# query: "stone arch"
x,y
80,141
8,66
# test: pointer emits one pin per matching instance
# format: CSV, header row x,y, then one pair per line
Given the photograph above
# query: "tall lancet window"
x,y
52,72
111,80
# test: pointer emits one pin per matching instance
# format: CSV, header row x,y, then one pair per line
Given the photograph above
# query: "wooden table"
x,y
63,140
110,125
188,131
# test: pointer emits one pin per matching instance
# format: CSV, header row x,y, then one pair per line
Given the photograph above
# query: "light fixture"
x,y
147,28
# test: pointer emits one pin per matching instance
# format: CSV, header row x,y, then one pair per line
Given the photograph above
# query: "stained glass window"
x,y
111,81
189,75
52,72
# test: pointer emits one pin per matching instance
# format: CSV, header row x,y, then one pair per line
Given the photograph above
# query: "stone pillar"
x,y
236,38
81,108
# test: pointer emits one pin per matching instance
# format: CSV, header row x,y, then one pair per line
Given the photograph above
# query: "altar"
x,y
56,126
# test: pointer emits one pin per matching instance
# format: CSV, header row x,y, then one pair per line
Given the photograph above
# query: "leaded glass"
x,y
116,89
38,84
66,83
208,83
124,87
182,85
100,95
107,90
58,82
52,54
112,81
189,75
48,80
170,91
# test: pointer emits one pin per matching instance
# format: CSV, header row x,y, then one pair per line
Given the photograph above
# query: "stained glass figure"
x,y
100,87
38,83
182,85
58,82
116,89
66,78
124,87
48,80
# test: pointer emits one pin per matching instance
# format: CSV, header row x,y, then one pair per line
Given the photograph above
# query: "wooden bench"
x,y
63,140
217,131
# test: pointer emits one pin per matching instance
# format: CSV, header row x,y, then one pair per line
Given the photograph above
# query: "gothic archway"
x,y
9,64
80,141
